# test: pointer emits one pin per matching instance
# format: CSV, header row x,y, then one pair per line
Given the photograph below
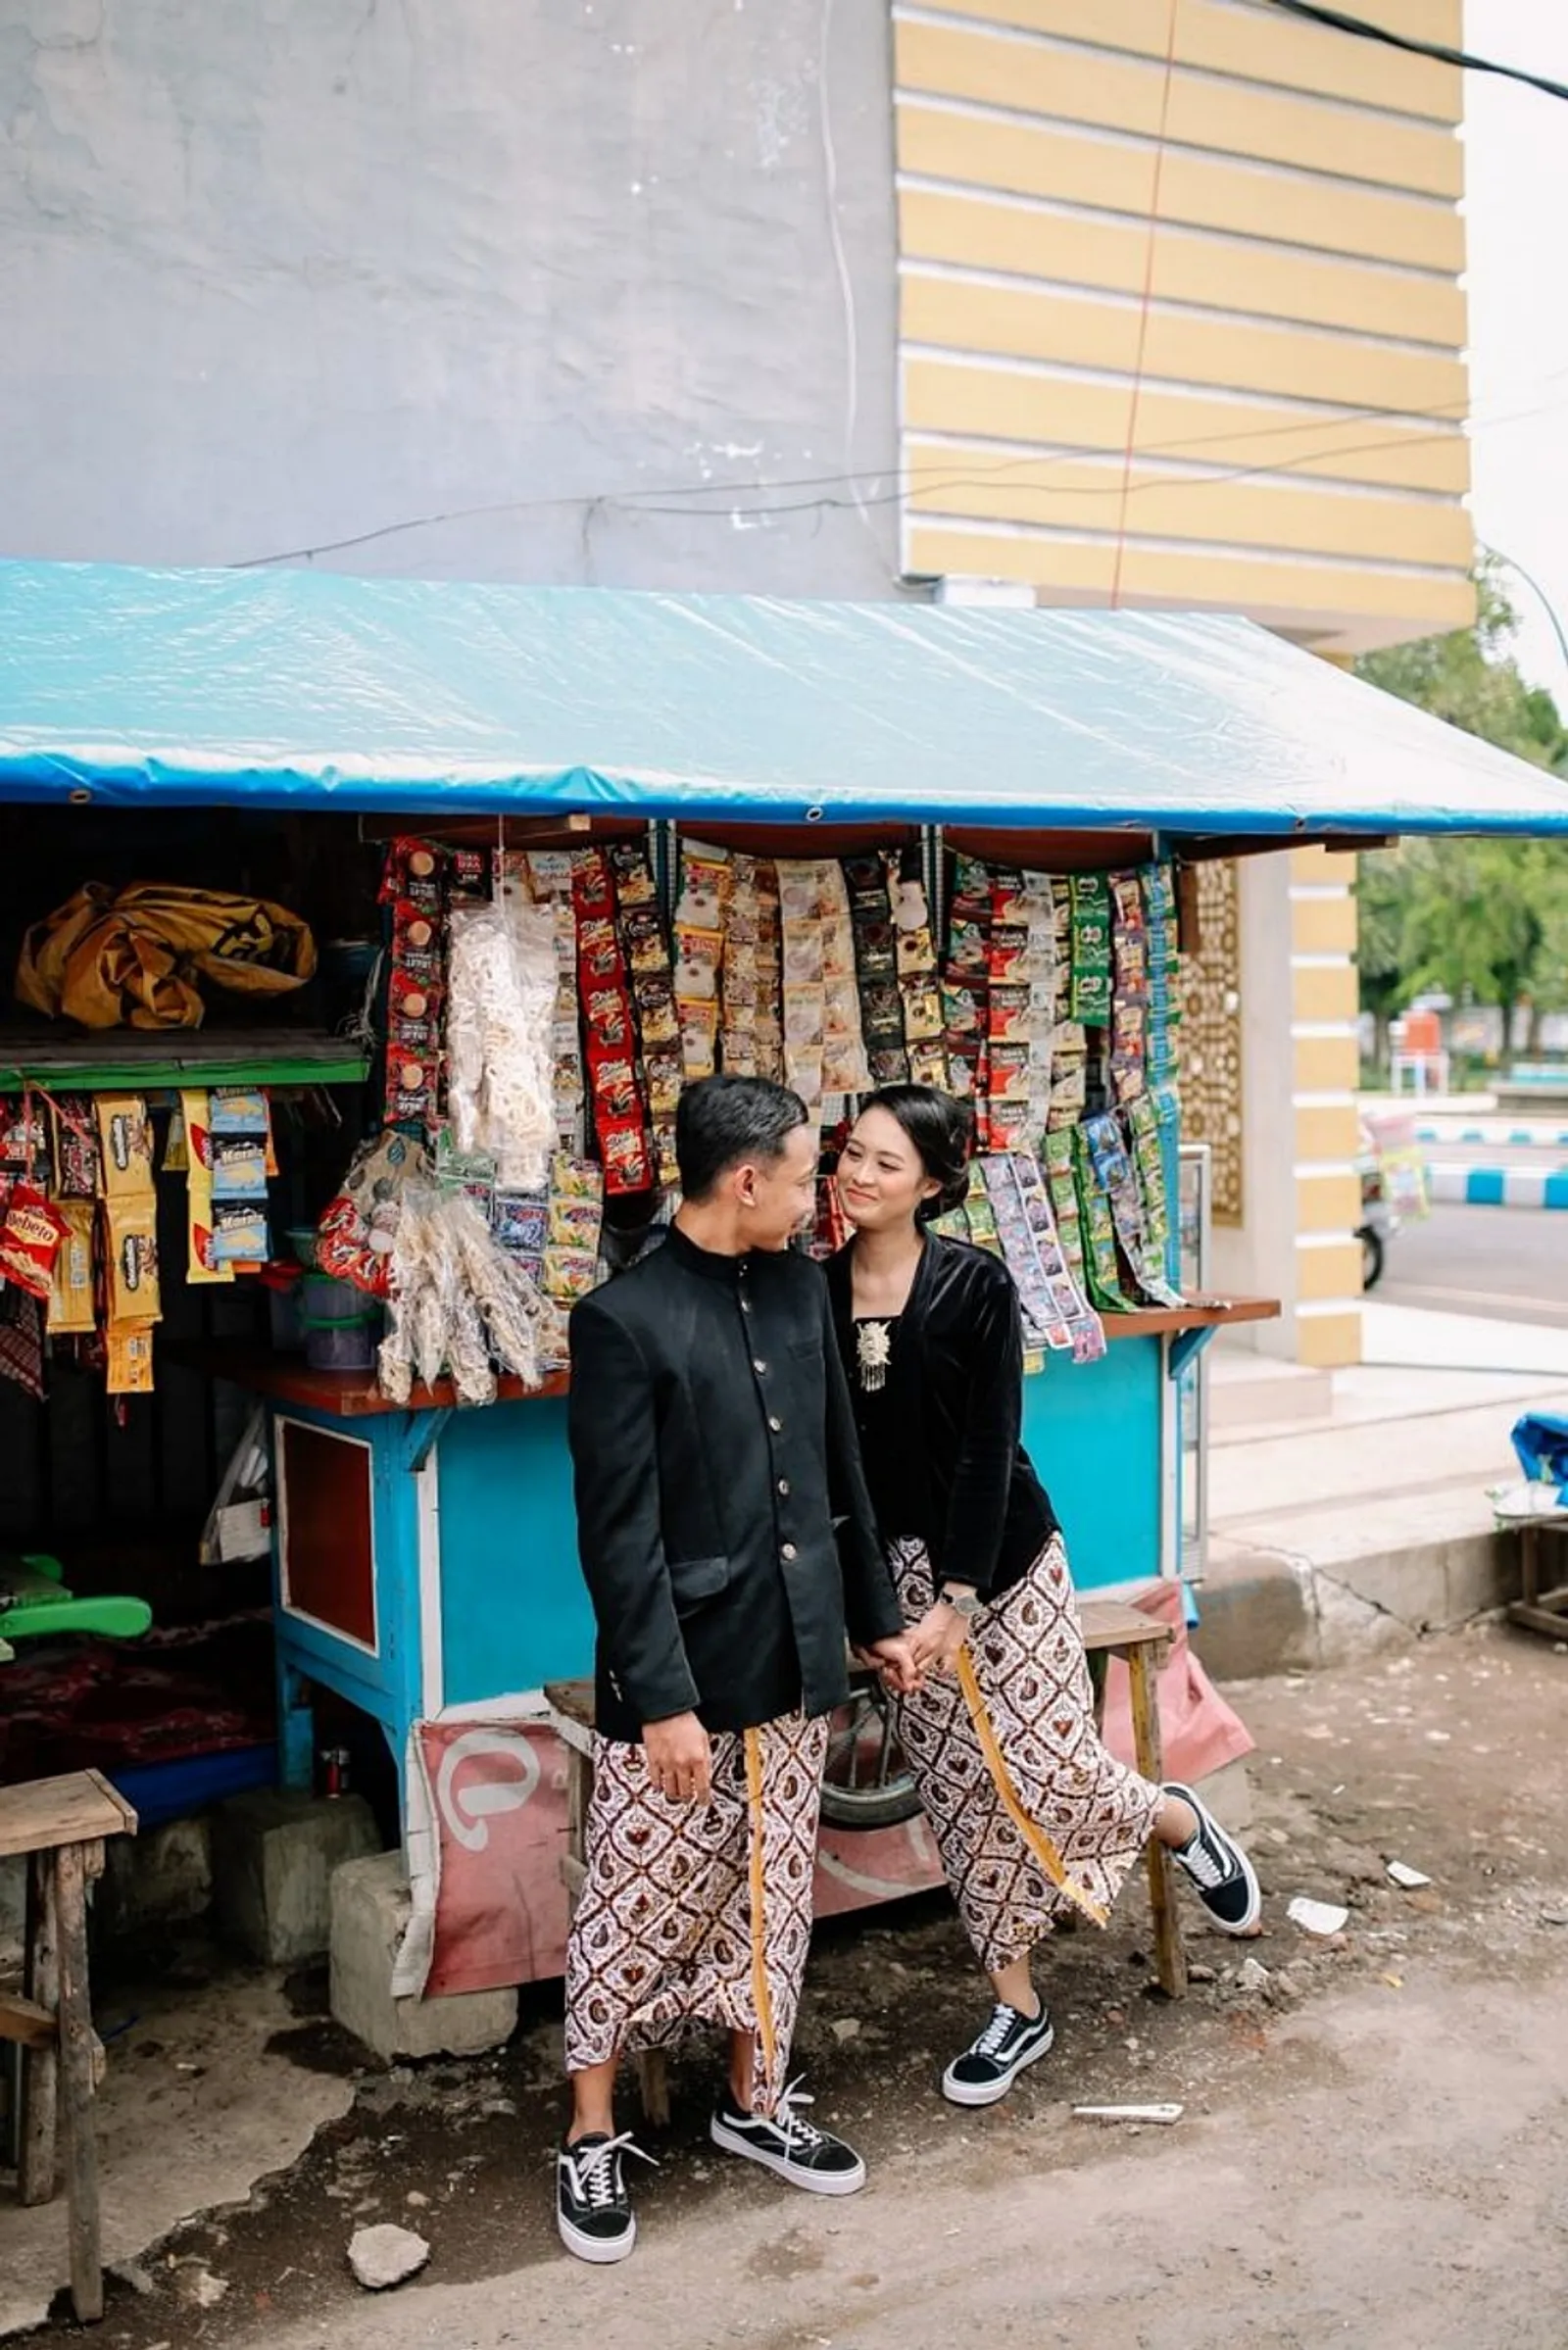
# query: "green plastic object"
x,y
34,1602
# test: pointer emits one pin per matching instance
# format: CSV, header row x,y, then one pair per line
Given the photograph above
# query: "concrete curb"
x,y
1499,1187
1264,1611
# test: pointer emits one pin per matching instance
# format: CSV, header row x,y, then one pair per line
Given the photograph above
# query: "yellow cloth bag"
x,y
131,957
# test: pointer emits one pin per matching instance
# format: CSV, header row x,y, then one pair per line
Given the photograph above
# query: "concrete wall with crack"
x,y
538,292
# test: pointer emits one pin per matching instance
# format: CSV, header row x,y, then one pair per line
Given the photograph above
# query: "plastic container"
x,y
342,1326
286,1306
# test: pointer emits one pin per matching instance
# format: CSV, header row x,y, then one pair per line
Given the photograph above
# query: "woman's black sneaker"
x,y
790,2146
1224,1877
994,2060
593,2210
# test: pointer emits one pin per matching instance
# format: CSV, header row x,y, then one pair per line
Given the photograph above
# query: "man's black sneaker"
x,y
1221,1871
790,2146
593,2209
994,2060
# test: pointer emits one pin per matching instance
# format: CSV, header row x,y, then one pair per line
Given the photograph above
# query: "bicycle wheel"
x,y
865,1780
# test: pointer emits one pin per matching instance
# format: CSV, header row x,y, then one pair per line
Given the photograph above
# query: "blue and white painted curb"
x,y
1498,1134
1499,1187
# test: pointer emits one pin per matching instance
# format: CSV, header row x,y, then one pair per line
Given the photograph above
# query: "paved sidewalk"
x,y
1369,1520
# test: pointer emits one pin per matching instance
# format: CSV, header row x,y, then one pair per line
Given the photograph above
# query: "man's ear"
x,y
743,1184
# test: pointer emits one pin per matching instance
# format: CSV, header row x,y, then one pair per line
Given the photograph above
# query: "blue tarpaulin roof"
x,y
283,688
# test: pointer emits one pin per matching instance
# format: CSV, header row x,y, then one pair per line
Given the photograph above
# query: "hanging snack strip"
x,y
966,989
1116,1182
1129,1019
615,1090
1102,1269
924,1019
414,895
1089,895
130,1225
653,988
545,876
1058,1167
1021,962
1142,1119
1054,1311
876,970
1069,1044
704,886
805,989
752,972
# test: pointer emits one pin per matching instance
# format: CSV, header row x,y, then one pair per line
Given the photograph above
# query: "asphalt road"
x,y
1507,1262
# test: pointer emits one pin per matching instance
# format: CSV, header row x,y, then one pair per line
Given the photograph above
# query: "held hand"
x,y
938,1637
895,1659
680,1761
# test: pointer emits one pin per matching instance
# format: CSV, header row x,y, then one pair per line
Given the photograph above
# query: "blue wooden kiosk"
x,y
424,1557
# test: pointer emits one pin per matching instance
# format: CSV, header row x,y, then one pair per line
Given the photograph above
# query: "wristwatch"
x,y
967,1603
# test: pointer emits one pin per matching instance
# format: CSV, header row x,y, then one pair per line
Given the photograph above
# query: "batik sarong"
x,y
697,1913
1030,1812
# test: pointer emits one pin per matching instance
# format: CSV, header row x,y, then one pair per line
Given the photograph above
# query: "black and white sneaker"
x,y
1226,1883
994,2058
790,2146
593,2210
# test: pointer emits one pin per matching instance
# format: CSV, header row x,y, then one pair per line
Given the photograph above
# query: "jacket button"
x,y
746,1305
757,1365
788,1550
783,1485
776,1424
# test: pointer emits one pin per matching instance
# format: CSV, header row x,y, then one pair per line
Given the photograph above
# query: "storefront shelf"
x,y
1210,1314
351,1394
346,1395
152,1059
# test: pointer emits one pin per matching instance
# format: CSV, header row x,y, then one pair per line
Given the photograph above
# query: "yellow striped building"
x,y
1181,325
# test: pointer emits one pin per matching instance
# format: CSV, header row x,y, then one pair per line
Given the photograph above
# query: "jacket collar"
x,y
841,1282
722,1269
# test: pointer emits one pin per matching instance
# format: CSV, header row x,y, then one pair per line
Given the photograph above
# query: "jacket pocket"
x,y
694,1579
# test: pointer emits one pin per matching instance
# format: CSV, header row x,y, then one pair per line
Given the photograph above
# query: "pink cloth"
x,y
1199,1730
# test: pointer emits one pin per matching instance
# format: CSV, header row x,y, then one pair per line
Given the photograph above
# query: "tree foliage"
x,y
1482,921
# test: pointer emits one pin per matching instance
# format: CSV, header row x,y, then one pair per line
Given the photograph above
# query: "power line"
x,y
1337,21
636,500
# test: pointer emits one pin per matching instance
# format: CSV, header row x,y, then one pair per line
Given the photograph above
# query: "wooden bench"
x,y
1542,1610
59,1826
1109,1628
1112,1629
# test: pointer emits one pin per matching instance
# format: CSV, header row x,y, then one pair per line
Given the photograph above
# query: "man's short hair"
x,y
720,1121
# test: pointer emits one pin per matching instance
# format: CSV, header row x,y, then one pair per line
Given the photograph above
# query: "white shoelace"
x,y
798,2132
593,2168
1203,1866
1002,2020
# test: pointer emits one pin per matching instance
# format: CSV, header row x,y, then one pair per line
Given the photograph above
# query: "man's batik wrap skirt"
x,y
697,1914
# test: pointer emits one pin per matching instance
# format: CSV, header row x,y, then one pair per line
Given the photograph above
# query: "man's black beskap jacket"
x,y
713,1448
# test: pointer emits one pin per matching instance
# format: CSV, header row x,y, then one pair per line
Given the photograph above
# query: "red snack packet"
x,y
29,1240
629,1162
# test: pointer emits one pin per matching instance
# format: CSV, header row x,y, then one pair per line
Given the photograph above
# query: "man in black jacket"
x,y
728,1544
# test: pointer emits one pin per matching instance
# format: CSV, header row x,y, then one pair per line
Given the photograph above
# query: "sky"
x,y
1516,175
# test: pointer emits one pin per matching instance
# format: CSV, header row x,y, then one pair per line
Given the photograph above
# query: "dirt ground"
x,y
1371,2151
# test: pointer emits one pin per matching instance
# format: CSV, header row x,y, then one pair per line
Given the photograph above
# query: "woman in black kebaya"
x,y
1030,1811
